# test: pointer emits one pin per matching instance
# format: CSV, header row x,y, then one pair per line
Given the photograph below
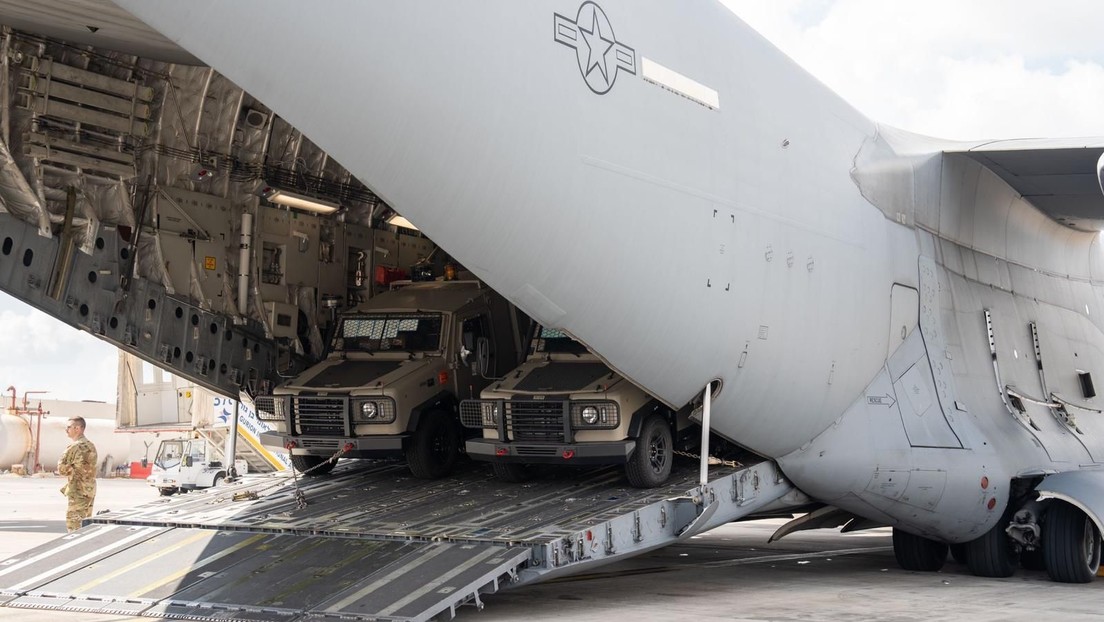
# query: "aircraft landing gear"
x,y
1071,544
917,552
993,554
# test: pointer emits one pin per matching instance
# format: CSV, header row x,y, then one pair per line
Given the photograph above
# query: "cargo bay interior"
x,y
158,206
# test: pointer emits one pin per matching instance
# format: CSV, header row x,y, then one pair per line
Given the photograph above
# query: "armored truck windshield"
x,y
381,332
554,340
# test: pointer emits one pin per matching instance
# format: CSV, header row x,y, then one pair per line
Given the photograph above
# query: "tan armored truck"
x,y
565,406
392,382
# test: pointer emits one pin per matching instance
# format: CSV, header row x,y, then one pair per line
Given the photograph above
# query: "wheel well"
x,y
642,413
442,401
1080,489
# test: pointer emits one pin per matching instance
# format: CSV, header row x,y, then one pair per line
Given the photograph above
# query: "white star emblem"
x,y
598,47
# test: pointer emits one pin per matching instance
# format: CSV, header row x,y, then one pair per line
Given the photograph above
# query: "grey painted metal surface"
x,y
371,544
212,574
1058,176
1083,489
142,319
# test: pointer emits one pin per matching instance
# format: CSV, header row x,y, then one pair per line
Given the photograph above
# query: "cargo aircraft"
x,y
910,327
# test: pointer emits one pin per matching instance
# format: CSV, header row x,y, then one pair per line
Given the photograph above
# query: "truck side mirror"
x,y
467,346
483,355
186,461
145,463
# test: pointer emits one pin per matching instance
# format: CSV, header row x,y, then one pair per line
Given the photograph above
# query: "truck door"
x,y
169,455
474,329
195,459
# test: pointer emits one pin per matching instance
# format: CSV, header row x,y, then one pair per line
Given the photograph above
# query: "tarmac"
x,y
730,573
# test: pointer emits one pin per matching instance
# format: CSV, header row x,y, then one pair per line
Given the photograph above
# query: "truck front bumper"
x,y
492,450
362,446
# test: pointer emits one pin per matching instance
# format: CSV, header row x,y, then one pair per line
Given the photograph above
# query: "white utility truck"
x,y
186,464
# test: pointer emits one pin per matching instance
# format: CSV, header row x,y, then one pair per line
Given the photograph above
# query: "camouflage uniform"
x,y
79,464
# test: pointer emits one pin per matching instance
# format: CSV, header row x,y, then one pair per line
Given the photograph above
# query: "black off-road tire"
x,y
434,447
1071,544
918,553
512,472
650,463
304,463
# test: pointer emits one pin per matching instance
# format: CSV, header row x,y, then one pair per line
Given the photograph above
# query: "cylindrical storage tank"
x,y
15,440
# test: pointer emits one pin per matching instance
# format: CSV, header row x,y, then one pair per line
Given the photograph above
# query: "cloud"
x,y
43,354
964,70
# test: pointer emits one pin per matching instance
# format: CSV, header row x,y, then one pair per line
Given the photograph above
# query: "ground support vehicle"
x,y
393,379
185,464
563,405
372,542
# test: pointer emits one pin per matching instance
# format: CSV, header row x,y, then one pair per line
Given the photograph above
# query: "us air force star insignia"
x,y
599,53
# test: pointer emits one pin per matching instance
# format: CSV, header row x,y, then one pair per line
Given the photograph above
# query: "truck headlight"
x,y
375,410
590,415
595,415
490,414
369,410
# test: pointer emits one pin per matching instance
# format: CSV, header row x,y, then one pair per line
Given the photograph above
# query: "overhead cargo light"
x,y
399,221
299,201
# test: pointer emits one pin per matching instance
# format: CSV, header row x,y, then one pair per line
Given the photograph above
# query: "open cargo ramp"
x,y
372,543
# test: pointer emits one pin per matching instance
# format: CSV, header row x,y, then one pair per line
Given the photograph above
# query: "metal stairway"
x,y
247,448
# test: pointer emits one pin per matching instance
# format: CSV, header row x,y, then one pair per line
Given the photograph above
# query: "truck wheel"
x,y
218,480
434,446
650,464
166,492
304,463
511,472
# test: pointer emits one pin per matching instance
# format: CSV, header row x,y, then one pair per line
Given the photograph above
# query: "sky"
x,y
980,69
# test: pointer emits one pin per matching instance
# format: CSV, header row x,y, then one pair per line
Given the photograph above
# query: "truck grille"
x,y
538,421
314,414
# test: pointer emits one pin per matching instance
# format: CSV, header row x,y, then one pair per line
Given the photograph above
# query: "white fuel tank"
x,y
16,440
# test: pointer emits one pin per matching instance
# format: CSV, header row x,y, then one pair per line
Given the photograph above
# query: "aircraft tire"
x,y
511,472
992,554
958,553
1071,544
917,552
434,447
650,463
304,463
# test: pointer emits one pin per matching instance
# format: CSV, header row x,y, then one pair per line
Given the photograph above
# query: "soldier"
x,y
79,464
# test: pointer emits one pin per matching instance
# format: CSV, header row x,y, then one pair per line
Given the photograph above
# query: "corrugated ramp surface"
x,y
368,542
236,575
